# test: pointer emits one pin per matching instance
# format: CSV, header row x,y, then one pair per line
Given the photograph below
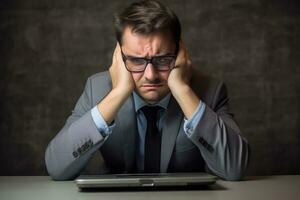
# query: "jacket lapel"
x,y
129,133
169,133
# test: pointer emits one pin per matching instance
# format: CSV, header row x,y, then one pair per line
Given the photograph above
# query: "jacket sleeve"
x,y
224,149
70,150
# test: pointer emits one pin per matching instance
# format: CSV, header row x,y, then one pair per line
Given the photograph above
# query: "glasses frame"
x,y
148,60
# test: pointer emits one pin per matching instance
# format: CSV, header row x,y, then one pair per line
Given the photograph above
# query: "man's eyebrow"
x,y
131,56
160,55
166,54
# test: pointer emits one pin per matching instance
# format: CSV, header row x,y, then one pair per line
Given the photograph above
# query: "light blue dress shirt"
x,y
189,125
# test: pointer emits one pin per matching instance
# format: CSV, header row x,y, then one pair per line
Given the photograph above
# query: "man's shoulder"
x,y
100,76
206,86
99,79
99,83
205,82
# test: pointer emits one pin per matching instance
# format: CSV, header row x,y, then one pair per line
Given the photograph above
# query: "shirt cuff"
x,y
100,123
190,125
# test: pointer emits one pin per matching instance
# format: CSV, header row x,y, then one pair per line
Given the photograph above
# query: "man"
x,y
152,111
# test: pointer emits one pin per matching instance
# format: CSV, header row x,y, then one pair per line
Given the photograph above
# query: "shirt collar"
x,y
139,102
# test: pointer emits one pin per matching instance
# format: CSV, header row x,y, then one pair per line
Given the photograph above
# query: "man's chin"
x,y
151,97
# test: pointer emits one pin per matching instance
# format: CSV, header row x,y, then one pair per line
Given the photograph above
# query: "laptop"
x,y
145,180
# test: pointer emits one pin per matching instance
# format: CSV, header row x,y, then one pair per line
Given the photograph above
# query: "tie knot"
x,y
150,112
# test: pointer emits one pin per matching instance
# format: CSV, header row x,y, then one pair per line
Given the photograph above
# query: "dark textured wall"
x,y
50,47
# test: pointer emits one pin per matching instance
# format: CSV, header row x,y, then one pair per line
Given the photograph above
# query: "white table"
x,y
254,188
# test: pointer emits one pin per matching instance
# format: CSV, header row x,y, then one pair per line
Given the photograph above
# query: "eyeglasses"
x,y
137,64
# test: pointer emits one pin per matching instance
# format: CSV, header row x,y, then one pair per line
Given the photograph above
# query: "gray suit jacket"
x,y
215,146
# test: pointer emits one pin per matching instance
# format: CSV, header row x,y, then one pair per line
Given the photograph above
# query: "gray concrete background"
x,y
48,48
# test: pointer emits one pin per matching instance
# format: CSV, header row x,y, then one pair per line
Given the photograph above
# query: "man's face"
x,y
151,84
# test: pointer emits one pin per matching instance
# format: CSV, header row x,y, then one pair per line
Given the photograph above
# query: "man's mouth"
x,y
151,85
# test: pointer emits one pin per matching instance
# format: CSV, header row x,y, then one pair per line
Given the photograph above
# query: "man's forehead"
x,y
154,42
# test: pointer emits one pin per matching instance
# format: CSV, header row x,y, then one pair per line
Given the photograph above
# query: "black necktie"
x,y
152,141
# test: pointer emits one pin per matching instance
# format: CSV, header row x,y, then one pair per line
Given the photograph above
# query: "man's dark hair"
x,y
146,17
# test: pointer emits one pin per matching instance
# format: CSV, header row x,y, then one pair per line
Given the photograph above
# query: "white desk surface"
x,y
254,188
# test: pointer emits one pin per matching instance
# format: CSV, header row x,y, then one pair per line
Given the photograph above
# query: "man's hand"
x,y
121,78
122,87
181,74
179,83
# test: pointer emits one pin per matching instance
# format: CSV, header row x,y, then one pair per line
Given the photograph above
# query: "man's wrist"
x,y
122,92
179,88
186,98
110,105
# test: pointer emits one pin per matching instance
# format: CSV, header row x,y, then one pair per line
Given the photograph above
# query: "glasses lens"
x,y
135,64
161,63
164,63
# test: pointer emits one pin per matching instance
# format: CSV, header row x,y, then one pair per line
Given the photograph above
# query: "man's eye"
x,y
166,60
137,61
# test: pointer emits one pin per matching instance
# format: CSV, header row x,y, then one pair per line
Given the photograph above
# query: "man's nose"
x,y
150,72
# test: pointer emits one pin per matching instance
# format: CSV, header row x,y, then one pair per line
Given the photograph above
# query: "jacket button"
x,y
201,140
75,154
